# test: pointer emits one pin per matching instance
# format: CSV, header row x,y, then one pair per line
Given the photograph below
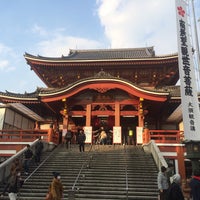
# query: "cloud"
x,y
139,23
127,24
4,49
7,56
60,45
39,30
3,64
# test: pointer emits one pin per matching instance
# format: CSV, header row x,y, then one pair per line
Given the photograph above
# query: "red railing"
x,y
163,136
28,135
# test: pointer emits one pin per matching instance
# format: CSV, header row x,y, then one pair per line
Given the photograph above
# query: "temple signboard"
x,y
117,135
189,98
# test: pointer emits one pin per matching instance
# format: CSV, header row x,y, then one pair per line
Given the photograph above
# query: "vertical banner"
x,y
139,136
88,134
2,115
117,135
189,98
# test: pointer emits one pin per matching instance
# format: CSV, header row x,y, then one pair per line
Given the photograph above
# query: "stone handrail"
x,y
6,165
157,155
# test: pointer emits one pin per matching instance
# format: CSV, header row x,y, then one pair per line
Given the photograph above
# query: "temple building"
x,y
125,91
126,88
116,87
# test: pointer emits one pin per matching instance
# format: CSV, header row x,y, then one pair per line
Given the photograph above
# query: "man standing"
x,y
68,138
28,155
195,185
81,140
38,151
163,183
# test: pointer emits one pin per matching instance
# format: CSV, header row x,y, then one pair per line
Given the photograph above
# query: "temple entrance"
x,y
106,123
79,120
129,125
102,125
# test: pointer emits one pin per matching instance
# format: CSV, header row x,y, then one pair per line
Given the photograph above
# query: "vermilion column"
x,y
181,163
65,125
65,122
140,114
117,114
88,115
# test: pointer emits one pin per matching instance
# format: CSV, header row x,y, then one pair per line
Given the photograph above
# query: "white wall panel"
x,y
18,120
9,116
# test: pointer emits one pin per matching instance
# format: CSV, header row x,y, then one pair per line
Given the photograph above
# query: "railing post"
x,y
50,134
71,195
146,137
181,163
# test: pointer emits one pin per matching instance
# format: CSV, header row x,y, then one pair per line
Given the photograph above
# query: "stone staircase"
x,y
118,173
105,172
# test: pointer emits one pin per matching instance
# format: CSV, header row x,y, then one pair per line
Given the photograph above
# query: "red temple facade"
x,y
119,89
124,87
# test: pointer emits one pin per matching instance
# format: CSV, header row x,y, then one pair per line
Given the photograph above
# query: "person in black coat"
x,y
38,151
174,191
195,185
81,140
28,155
13,185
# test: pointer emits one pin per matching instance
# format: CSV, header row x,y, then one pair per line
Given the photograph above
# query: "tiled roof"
x,y
126,53
103,54
173,90
20,95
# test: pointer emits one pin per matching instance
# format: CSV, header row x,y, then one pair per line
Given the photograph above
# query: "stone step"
x,y
103,175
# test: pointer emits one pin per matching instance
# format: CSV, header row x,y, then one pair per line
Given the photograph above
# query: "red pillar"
x,y
117,114
181,163
88,115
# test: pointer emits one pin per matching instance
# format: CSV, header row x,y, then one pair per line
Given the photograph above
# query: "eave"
x,y
103,84
39,60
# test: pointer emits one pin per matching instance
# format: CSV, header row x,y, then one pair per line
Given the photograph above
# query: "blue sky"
x,y
52,27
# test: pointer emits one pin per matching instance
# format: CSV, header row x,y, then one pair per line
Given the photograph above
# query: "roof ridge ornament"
x,y
103,74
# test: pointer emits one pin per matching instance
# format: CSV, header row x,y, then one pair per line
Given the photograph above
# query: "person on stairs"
x,y
38,151
13,185
56,187
81,140
68,139
28,155
16,165
163,183
175,192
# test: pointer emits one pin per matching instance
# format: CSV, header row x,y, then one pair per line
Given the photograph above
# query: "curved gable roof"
x,y
100,80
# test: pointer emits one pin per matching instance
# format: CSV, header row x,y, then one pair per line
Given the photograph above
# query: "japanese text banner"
x,y
189,98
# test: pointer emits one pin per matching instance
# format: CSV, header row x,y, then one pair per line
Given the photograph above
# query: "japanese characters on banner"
x,y
189,98
88,134
139,133
117,135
